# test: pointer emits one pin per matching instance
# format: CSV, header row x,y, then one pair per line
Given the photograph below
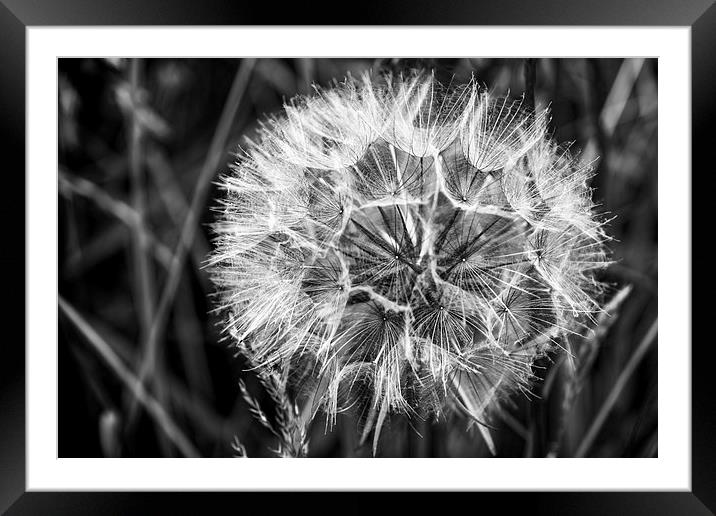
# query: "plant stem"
x,y
143,278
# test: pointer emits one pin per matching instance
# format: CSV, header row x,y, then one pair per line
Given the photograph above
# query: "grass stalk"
x,y
144,283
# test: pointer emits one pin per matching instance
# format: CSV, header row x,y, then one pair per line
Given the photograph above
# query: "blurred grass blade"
x,y
214,155
73,185
613,396
620,94
142,274
176,206
109,432
154,409
69,184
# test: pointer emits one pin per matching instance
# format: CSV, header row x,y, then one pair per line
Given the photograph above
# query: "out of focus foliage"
x,y
140,143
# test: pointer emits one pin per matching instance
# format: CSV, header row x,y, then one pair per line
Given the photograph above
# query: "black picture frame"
x,y
17,15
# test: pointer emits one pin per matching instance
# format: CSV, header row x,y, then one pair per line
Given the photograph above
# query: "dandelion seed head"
x,y
419,245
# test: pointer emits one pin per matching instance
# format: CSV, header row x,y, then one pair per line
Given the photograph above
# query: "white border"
x,y
670,471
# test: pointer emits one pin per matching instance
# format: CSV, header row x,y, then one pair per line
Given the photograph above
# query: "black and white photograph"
x,y
423,248
358,257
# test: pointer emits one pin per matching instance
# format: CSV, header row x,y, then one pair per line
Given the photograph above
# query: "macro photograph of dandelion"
x,y
357,258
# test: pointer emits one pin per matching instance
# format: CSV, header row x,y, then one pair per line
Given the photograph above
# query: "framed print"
x,y
404,257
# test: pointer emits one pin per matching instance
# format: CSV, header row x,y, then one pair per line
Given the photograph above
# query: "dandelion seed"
x,y
409,247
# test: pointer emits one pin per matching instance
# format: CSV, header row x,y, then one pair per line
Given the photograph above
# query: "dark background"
x,y
136,137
